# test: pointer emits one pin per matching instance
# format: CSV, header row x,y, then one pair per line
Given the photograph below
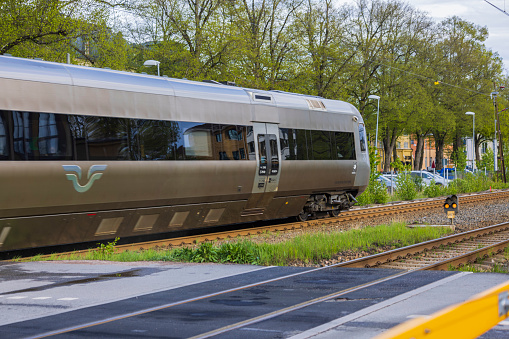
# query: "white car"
x,y
427,177
387,182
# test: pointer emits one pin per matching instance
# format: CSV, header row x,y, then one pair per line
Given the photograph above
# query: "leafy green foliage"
x,y
376,192
487,161
433,190
406,188
107,249
459,158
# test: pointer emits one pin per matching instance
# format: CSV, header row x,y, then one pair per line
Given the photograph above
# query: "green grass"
x,y
471,268
308,249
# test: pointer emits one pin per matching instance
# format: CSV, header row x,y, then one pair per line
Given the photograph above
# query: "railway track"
x,y
348,216
352,215
440,254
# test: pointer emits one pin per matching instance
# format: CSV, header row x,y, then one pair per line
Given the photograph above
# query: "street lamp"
x,y
473,139
377,111
152,63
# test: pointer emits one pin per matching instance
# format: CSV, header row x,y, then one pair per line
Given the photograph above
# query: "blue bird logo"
x,y
92,176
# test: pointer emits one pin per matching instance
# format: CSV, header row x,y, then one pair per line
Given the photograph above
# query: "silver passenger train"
x,y
91,154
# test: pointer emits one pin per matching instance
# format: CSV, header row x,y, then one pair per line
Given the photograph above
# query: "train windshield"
x,y
362,137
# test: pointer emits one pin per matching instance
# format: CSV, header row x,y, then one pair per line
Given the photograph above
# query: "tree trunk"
x,y
477,143
389,142
419,151
439,148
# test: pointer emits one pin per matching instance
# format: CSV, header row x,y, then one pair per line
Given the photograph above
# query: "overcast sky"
x,y
476,11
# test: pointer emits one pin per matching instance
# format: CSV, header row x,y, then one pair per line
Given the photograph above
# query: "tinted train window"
x,y
41,136
46,136
4,144
107,138
322,145
299,144
362,137
77,125
345,146
158,139
294,144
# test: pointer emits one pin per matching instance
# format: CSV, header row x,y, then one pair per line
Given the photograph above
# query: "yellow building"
x,y
404,152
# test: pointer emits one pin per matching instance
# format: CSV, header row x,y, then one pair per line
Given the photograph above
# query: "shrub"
x,y
375,193
406,189
433,190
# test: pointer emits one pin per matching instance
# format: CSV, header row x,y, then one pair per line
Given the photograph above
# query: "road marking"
x,y
377,307
20,297
41,298
412,316
67,299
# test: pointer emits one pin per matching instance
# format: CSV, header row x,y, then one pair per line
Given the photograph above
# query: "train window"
x,y
241,142
46,136
4,137
301,144
250,143
274,154
362,137
230,142
316,145
17,136
322,142
107,138
77,126
345,146
194,141
41,136
158,139
232,134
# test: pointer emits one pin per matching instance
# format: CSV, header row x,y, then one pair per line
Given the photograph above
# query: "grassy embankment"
x,y
305,249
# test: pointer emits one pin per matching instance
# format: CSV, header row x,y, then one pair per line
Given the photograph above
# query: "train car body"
x,y
91,154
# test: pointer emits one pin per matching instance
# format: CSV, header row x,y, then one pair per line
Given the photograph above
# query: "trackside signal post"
x,y
451,207
501,147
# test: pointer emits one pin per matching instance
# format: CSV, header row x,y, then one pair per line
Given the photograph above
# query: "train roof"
x,y
73,75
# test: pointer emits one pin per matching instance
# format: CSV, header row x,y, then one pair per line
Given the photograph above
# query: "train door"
x,y
265,142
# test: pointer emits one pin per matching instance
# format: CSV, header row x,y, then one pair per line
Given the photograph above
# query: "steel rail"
x,y
409,251
355,214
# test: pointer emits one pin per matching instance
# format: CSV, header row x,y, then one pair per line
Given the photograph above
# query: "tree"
x,y
327,50
49,29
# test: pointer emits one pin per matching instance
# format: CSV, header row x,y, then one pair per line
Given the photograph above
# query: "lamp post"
x,y
152,63
473,139
377,111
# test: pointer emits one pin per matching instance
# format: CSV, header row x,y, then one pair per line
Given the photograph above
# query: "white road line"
x,y
361,313
412,316
67,299
20,297
41,298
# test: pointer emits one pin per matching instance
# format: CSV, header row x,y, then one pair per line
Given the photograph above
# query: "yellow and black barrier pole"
x,y
469,319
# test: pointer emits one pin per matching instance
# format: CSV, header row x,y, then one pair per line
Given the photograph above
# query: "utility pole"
x,y
500,146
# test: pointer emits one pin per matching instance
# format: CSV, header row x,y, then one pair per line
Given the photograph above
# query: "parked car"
x,y
440,179
450,173
428,177
387,182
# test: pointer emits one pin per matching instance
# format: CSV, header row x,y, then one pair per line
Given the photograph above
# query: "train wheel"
x,y
303,216
334,213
